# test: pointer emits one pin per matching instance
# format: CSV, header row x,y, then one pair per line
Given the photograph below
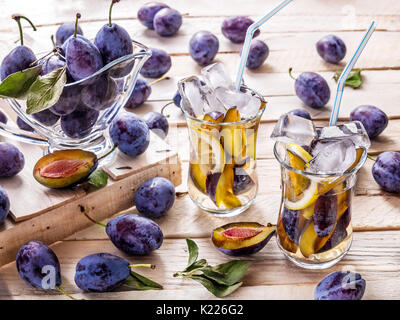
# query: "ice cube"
x,y
334,157
214,103
215,76
251,108
193,96
294,129
247,105
354,131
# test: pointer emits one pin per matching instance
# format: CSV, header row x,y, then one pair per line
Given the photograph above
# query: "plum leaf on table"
x,y
354,79
220,280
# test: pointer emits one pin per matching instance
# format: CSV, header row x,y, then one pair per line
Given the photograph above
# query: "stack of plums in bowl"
x,y
80,85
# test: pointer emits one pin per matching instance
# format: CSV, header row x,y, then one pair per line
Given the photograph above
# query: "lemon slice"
x,y
306,190
209,150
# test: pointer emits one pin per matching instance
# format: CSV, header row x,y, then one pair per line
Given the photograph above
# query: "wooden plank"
x,y
370,255
379,89
347,16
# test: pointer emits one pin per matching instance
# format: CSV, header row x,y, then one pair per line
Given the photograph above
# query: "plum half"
x,y
64,168
242,238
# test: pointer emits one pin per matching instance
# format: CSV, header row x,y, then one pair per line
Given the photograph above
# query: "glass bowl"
x,y
96,100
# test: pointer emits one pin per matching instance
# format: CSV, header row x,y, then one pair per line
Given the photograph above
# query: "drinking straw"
x,y
346,72
249,36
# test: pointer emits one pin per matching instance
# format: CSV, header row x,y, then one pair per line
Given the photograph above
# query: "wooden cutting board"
x,y
49,215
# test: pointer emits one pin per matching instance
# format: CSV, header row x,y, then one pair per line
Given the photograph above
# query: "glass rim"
x,y
320,175
244,121
146,52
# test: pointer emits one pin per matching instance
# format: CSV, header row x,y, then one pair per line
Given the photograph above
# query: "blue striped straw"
x,y
249,36
346,72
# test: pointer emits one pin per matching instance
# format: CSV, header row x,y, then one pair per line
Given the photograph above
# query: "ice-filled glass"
x,y
223,125
318,177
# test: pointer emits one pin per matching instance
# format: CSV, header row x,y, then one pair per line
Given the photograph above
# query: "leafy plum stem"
x,y
370,157
17,18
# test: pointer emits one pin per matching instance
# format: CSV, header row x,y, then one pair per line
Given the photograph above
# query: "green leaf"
x,y
354,79
193,252
218,290
141,283
46,90
98,178
196,265
16,85
228,273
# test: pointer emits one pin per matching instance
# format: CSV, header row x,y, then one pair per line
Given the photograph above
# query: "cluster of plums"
x,y
134,235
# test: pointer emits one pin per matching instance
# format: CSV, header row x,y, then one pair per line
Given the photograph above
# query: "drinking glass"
x,y
222,176
314,228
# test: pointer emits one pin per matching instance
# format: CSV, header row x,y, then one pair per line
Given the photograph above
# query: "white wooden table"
x,y
291,37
